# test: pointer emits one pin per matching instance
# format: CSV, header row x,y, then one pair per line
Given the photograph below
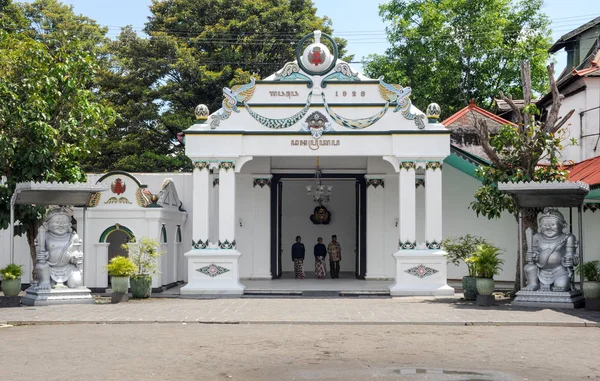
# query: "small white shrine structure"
x,y
255,157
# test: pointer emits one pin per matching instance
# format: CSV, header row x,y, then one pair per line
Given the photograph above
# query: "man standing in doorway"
x,y
298,258
335,256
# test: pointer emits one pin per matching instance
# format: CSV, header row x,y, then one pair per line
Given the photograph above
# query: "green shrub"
x,y
461,248
144,254
486,260
11,272
120,267
590,271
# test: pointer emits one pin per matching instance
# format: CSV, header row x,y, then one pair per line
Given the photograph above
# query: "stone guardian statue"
x,y
59,259
551,254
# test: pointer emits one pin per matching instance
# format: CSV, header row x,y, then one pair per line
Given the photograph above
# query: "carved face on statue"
x,y
550,227
551,223
59,224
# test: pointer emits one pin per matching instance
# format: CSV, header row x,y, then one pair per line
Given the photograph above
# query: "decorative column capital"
x,y
375,183
407,245
419,183
226,165
201,165
215,182
433,165
227,245
433,245
200,244
407,165
262,182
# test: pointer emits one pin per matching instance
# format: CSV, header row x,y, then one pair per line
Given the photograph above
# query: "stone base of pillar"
x,y
421,273
213,272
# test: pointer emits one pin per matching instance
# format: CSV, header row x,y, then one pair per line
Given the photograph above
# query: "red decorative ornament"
x,y
316,57
118,187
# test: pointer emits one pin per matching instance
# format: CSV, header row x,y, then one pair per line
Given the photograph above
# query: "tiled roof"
x,y
574,33
594,66
472,107
587,171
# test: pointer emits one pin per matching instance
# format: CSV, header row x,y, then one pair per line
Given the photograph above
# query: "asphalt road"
x,y
297,352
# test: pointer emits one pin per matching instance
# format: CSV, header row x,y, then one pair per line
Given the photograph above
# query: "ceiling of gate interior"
x,y
344,162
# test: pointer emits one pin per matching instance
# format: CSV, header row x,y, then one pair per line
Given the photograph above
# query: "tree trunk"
x,y
529,221
31,235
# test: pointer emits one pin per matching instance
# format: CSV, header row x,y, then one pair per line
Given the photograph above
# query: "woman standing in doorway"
x,y
298,258
320,253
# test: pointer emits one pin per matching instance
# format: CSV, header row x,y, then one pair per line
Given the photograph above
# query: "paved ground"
x,y
407,311
298,352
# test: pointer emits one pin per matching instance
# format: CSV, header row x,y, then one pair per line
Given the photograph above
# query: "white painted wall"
x,y
574,128
297,208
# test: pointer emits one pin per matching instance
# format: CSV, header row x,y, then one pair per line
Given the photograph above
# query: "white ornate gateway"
x,y
372,142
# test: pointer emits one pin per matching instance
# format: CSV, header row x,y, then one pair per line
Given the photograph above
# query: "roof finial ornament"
x,y
433,112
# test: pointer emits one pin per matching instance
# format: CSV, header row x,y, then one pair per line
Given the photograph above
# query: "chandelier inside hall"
x,y
320,193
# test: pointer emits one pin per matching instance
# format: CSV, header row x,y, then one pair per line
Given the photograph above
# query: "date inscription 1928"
x,y
349,93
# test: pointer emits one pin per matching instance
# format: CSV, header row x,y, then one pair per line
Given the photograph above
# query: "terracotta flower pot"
x,y
469,285
485,286
11,287
141,287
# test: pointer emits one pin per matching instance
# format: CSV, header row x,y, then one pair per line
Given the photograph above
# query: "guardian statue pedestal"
x,y
59,263
551,257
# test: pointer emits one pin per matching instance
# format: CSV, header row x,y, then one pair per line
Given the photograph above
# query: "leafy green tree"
x,y
515,154
195,49
452,51
50,113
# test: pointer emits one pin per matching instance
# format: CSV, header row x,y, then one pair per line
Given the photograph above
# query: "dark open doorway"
x,y
351,251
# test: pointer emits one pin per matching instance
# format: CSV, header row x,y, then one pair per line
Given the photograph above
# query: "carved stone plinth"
x,y
35,297
213,272
421,273
10,301
549,299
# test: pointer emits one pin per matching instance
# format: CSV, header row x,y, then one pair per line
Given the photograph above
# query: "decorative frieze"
x,y
262,183
433,245
407,165
407,245
227,165
591,207
433,165
227,245
212,270
419,183
199,245
201,165
421,271
375,183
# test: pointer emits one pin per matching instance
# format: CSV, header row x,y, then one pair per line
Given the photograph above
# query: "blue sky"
x,y
356,20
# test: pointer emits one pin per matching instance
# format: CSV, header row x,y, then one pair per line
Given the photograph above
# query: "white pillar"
x,y
227,205
201,205
261,238
408,211
418,271
433,205
375,227
214,270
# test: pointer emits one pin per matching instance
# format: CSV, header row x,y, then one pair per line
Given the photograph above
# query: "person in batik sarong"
x,y
335,256
298,258
320,253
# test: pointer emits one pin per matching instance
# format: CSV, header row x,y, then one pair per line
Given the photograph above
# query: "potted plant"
x,y
458,250
143,254
591,273
120,269
11,279
487,263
